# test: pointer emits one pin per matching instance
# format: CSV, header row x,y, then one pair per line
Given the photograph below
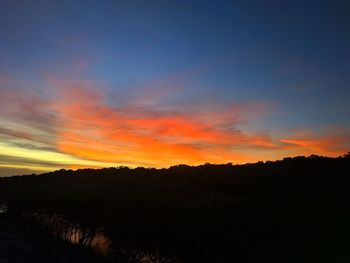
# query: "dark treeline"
x,y
293,210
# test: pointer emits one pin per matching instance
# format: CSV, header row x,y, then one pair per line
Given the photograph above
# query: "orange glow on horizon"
x,y
87,128
95,131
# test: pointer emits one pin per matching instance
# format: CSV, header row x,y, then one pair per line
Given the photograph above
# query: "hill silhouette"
x,y
292,210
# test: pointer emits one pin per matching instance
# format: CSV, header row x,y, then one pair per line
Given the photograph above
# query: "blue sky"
x,y
282,65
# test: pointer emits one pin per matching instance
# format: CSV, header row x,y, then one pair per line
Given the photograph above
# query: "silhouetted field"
x,y
294,210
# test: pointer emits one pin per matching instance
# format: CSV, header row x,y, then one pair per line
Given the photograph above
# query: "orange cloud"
x,y
76,119
334,143
93,130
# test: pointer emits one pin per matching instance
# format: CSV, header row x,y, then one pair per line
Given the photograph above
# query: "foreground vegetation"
x,y
294,210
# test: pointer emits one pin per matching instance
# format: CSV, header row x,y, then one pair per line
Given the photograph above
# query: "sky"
x,y
159,83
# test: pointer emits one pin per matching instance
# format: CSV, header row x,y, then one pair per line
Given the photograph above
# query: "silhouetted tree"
x,y
207,213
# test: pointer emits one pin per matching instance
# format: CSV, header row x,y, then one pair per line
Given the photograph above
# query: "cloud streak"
x,y
94,130
76,125
333,143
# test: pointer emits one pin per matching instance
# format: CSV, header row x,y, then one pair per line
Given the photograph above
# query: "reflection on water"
x,y
101,244
89,236
73,231
3,208
96,240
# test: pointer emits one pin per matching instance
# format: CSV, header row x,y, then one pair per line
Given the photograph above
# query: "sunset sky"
x,y
159,83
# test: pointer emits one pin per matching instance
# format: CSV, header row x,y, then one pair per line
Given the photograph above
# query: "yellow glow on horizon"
x,y
52,158
29,167
78,128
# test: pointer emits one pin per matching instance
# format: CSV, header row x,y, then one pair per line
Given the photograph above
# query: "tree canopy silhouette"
x,y
292,210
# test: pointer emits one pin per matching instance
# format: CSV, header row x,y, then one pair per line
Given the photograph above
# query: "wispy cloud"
x,y
94,130
334,142
74,124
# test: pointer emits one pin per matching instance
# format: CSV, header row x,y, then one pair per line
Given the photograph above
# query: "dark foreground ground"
x,y
20,243
293,210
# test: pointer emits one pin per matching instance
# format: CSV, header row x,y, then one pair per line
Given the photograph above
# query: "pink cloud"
x,y
80,120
